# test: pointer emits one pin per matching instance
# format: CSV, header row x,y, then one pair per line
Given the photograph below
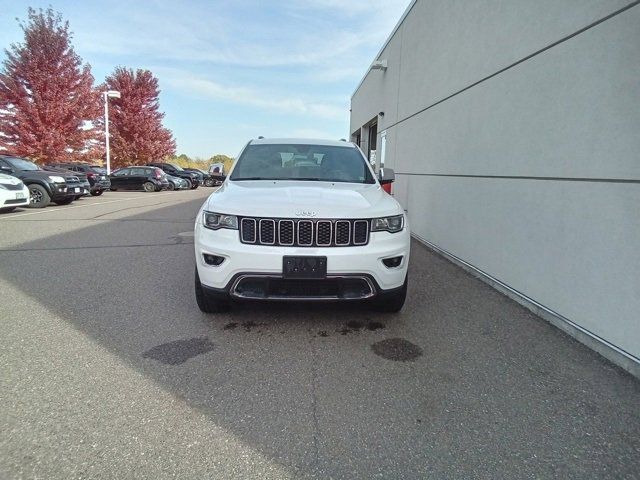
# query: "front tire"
x,y
171,187
209,182
392,302
208,303
189,184
39,197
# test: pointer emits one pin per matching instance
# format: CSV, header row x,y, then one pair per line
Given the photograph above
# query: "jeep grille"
x,y
289,232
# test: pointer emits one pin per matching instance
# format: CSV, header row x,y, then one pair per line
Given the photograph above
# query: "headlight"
x,y
388,224
56,179
216,221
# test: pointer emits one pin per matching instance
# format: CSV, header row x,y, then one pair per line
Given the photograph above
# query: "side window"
x,y
122,172
139,172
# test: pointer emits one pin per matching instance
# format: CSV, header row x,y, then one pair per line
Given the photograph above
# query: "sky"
x,y
230,71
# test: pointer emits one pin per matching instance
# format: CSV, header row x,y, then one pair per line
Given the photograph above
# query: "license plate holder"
x,y
20,196
304,267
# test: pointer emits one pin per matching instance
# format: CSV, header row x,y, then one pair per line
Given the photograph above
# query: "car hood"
x,y
9,180
81,176
291,199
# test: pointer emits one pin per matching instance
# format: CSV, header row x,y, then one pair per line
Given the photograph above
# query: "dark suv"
x,y
205,179
149,179
192,178
44,186
85,186
98,179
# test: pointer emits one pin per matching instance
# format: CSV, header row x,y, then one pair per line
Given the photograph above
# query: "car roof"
x,y
302,141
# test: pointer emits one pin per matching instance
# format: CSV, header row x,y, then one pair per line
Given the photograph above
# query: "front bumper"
x,y
14,198
101,185
259,260
60,191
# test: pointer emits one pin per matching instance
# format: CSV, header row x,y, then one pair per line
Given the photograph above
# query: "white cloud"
x,y
187,83
323,33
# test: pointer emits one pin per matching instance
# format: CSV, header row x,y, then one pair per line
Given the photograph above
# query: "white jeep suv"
x,y
301,220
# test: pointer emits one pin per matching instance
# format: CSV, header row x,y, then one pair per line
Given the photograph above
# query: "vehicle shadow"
x,y
458,381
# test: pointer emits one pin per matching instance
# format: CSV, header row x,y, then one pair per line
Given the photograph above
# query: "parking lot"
x,y
110,370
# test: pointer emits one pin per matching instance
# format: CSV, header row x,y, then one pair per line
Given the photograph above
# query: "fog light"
x,y
392,262
214,260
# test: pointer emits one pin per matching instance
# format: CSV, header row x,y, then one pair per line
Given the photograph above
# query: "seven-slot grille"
x,y
289,232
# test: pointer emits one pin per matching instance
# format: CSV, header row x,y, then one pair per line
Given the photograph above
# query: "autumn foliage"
x,y
135,120
50,110
47,98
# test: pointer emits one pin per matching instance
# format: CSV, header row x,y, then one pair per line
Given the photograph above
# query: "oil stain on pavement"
x,y
397,349
179,351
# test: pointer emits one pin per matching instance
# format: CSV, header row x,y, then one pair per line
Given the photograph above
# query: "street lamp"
x,y
108,94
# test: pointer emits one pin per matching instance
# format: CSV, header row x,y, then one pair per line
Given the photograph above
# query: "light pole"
x,y
108,94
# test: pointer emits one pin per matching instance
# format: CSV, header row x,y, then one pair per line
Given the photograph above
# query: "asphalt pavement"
x,y
109,370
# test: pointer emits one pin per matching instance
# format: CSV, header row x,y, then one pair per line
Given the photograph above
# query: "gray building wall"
x,y
514,130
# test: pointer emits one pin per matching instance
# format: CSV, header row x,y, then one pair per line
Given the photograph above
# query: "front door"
x,y
119,178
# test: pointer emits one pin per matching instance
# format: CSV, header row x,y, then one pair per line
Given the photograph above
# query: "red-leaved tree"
x,y
135,121
47,99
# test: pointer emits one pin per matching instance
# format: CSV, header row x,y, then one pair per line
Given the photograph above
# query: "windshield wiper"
x,y
251,178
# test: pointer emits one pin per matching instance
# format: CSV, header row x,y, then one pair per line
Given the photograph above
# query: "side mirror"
x,y
386,175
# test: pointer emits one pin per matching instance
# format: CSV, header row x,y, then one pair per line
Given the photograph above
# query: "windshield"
x,y
22,164
177,167
302,162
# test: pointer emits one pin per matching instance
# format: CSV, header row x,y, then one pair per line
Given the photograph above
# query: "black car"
x,y
177,171
205,179
97,176
149,179
44,186
85,186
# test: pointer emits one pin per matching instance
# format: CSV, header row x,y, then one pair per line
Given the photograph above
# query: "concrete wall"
x,y
526,168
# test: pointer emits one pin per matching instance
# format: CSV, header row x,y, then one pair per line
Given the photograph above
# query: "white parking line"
x,y
44,210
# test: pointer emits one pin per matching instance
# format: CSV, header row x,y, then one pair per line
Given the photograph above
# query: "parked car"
x,y
335,234
85,186
176,183
205,179
44,186
178,171
97,176
13,193
216,171
149,179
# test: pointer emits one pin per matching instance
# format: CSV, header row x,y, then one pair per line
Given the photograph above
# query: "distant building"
x,y
514,130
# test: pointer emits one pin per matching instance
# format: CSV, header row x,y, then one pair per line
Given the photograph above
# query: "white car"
x,y
13,193
301,220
